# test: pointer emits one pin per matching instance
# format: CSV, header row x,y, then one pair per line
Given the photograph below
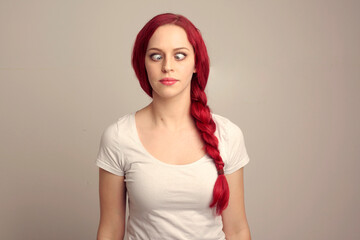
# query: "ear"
x,y
194,70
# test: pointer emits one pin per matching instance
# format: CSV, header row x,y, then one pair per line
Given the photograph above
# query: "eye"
x,y
155,56
180,56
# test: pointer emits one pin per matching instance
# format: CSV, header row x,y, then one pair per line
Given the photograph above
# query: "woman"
x,y
180,164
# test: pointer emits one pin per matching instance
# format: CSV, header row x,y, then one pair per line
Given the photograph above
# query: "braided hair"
x,y
200,111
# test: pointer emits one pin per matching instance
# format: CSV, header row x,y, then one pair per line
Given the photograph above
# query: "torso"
x,y
173,147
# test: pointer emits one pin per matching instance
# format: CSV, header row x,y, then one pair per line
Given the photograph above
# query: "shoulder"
x,y
117,128
232,144
225,127
113,146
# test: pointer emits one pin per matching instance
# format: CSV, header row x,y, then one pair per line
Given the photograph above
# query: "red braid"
x,y
199,108
206,126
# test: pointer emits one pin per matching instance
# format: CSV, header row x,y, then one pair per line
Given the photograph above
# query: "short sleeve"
x,y
237,156
110,157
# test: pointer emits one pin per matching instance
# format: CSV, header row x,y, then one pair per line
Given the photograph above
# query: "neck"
x,y
173,113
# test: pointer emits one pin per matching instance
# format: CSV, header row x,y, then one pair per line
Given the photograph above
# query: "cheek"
x,y
188,69
149,70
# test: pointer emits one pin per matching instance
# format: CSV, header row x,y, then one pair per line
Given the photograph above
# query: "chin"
x,y
168,94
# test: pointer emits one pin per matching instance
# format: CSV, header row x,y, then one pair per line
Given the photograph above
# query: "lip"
x,y
168,81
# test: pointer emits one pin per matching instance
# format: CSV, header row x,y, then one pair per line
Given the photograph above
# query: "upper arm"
x,y
112,193
234,217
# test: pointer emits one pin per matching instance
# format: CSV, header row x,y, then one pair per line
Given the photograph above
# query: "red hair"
x,y
199,108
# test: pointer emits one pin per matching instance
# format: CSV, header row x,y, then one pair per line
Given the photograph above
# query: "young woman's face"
x,y
170,55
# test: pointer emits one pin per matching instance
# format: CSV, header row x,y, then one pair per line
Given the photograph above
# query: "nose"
x,y
167,65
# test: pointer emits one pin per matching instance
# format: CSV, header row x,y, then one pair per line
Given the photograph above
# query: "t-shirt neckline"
x,y
145,151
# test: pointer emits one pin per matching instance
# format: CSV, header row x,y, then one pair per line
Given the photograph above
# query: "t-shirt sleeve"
x,y
237,156
110,157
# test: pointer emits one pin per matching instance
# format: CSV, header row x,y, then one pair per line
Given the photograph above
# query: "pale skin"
x,y
167,121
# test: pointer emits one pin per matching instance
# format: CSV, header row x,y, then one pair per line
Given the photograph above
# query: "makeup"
x,y
168,81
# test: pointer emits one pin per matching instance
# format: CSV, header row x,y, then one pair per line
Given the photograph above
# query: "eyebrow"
x,y
175,49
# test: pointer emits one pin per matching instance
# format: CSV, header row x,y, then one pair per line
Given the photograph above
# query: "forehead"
x,y
169,36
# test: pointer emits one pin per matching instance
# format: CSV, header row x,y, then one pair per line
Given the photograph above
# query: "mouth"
x,y
168,81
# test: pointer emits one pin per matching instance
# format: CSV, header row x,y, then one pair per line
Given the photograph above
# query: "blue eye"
x,y
155,56
180,56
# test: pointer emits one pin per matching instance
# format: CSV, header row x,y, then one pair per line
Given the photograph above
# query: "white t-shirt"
x,y
168,201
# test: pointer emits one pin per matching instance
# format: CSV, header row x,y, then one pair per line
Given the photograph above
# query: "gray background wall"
x,y
287,72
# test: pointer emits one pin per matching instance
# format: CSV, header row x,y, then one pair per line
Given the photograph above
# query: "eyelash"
x,y
151,56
